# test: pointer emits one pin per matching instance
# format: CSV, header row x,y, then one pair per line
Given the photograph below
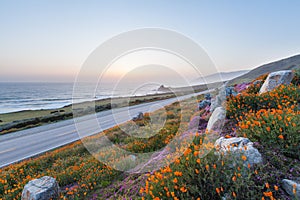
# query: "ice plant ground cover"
x,y
270,120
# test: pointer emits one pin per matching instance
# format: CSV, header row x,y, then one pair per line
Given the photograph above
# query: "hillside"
x,y
284,64
216,76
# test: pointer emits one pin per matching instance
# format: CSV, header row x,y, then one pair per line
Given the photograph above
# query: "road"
x,y
24,144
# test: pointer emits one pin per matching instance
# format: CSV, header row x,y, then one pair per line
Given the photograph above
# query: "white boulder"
x,y
275,79
239,146
44,188
291,186
216,120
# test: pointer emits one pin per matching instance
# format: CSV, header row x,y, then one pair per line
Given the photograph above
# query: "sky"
x,y
49,40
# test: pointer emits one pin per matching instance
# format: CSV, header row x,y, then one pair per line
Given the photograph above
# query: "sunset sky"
x,y
50,40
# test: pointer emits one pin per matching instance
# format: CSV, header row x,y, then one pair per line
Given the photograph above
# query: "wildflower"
x,y
234,194
233,178
172,194
268,129
177,173
175,180
207,167
196,153
281,137
218,190
244,158
275,187
268,194
267,185
141,190
183,189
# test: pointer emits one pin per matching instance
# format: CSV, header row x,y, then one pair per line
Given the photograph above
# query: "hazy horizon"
x,y
48,41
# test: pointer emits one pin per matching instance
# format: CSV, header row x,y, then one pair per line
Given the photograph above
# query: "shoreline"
x,y
20,120
16,121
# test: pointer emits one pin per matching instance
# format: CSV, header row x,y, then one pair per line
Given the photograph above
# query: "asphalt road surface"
x,y
24,144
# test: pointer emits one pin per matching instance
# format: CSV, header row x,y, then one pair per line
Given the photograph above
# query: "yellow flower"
x,y
234,194
268,194
244,158
175,180
233,178
177,173
281,137
183,189
207,167
177,161
267,185
294,188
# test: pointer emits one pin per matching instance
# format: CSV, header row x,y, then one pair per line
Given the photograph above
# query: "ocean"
x,y
34,96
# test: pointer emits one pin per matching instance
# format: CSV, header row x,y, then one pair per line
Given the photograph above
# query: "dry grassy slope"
x,y
284,64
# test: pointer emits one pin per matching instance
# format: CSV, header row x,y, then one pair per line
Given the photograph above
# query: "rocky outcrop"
x,y
291,187
217,119
219,99
238,147
44,188
275,79
140,116
257,82
230,91
162,88
207,96
204,103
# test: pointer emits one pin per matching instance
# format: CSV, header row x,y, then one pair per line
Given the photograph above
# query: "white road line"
x,y
8,150
74,131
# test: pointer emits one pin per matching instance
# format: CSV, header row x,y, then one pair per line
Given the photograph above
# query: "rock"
x,y
1,120
220,98
44,188
207,96
239,146
204,103
257,82
275,79
216,120
139,116
162,88
230,91
289,186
